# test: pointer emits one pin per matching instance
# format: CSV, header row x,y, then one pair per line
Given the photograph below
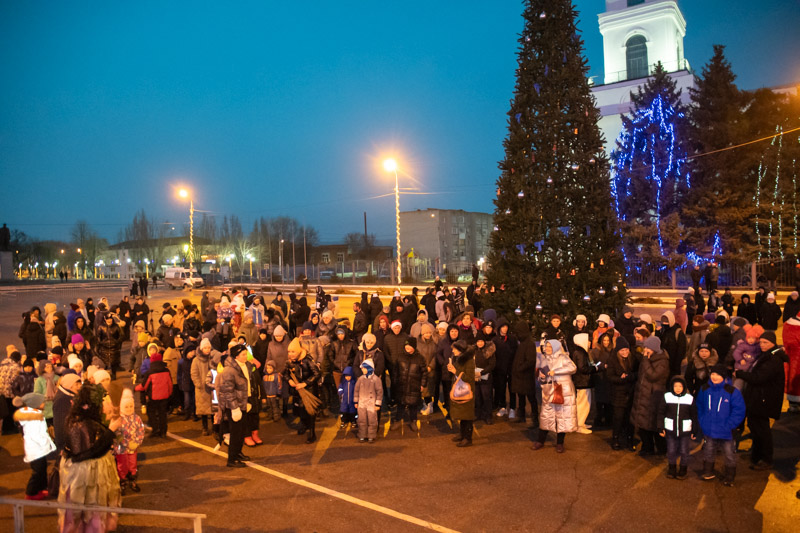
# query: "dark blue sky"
x,y
276,108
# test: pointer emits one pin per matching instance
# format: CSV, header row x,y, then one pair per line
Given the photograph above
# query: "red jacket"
x,y
159,382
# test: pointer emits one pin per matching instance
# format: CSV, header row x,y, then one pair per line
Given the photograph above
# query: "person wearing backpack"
x,y
462,395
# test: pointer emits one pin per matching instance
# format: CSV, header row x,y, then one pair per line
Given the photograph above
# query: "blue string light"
x,y
641,140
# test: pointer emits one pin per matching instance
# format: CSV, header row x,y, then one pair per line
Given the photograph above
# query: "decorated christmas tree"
x,y
556,247
650,174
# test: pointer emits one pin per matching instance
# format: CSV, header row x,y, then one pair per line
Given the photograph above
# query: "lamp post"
x,y
390,165
280,259
250,257
183,193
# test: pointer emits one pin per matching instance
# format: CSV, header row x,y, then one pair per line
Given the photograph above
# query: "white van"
x,y
182,278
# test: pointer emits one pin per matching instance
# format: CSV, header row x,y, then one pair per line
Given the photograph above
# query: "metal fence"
x,y
643,274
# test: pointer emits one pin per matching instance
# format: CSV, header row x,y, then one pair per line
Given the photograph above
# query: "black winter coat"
x,y
506,349
622,388
343,354
410,376
763,394
650,385
674,343
720,339
394,347
377,358
790,308
306,371
677,415
485,359
583,378
748,311
770,315
34,338
523,371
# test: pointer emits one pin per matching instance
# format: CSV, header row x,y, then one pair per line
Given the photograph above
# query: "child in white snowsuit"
x,y
36,442
367,397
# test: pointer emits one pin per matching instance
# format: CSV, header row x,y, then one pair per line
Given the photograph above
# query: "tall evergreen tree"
x,y
650,175
721,199
555,248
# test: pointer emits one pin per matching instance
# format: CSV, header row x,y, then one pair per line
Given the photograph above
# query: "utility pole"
x,y
305,257
294,262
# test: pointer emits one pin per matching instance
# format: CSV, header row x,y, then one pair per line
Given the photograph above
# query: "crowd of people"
x,y
705,372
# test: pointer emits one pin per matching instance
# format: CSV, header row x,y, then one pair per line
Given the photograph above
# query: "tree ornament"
x,y
591,266
518,311
508,211
601,262
575,166
572,272
496,228
542,15
615,288
558,275
564,301
601,291
592,161
520,194
587,298
549,179
539,307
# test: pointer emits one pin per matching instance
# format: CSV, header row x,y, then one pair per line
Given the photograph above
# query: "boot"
x,y
615,445
123,485
132,483
248,441
730,475
672,471
312,437
681,472
256,438
708,471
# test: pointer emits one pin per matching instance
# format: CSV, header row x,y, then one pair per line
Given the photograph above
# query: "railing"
x,y
19,511
622,75
643,274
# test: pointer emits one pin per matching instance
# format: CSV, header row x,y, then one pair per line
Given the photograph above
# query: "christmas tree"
x,y
556,247
718,204
651,177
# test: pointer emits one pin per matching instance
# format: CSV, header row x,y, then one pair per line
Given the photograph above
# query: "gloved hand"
x,y
236,414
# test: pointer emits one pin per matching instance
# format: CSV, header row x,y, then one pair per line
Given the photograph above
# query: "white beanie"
x,y
582,340
205,343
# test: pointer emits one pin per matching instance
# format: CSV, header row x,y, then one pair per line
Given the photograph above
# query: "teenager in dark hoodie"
x,y
486,361
506,346
523,375
443,356
747,310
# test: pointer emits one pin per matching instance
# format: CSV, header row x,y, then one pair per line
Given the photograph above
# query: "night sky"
x,y
286,108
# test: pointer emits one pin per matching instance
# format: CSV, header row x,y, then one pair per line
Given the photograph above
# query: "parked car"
x,y
213,279
182,278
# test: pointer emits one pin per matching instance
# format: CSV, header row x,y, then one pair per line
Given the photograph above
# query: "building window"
x,y
455,230
636,57
326,258
632,3
340,257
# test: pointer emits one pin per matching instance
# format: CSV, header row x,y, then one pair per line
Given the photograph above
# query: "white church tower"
x,y
637,34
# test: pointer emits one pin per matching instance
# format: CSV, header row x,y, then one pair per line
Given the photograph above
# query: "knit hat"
x,y
205,343
32,400
653,343
341,331
278,331
368,368
427,328
58,350
152,347
722,370
369,337
753,331
73,361
442,325
143,337
271,362
295,345
156,357
769,336
68,380
29,363
704,346
439,294
101,375
308,325
582,340
647,319
627,309
327,314
771,297
76,338
411,341
167,319
622,343
739,321
555,316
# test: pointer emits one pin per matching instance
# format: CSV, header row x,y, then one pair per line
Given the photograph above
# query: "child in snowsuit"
x,y
347,405
720,409
130,434
273,388
36,441
677,421
367,398
746,352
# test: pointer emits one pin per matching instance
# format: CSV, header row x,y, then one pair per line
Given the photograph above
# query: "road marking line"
x,y
648,477
324,490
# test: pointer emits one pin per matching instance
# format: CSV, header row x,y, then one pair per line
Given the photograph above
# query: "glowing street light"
x,y
184,193
390,165
250,257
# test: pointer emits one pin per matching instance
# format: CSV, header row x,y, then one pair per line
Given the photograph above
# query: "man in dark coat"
x,y
770,313
721,338
697,275
654,369
523,371
763,396
625,325
360,323
32,332
393,346
506,348
673,342
622,373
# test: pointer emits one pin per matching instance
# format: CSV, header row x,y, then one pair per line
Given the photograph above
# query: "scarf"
x,y
50,380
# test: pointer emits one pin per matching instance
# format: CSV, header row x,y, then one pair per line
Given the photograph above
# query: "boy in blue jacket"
x,y
720,409
347,405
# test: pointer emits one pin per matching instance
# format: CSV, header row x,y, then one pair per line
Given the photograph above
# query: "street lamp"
x,y
250,257
183,193
146,268
390,165
280,259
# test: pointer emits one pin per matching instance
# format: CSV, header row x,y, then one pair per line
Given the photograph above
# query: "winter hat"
x,y
76,338
769,336
396,323
622,343
555,316
295,345
396,293
28,363
68,380
152,347
704,346
374,294
647,319
57,350
605,319
670,318
582,340
341,331
579,317
101,375
278,331
740,322
205,343
753,331
327,314
721,319
308,325
32,400
627,309
439,294
442,325
369,337
411,341
73,361
722,370
653,343
427,328
139,324
367,367
555,345
236,350
271,362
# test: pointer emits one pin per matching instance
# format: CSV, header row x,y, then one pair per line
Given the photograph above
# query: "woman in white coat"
x,y
558,414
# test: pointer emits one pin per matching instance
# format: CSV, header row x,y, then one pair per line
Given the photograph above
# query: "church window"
x,y
636,57
635,2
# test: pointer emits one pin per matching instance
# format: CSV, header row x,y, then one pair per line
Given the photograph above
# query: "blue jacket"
x,y
720,409
346,391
